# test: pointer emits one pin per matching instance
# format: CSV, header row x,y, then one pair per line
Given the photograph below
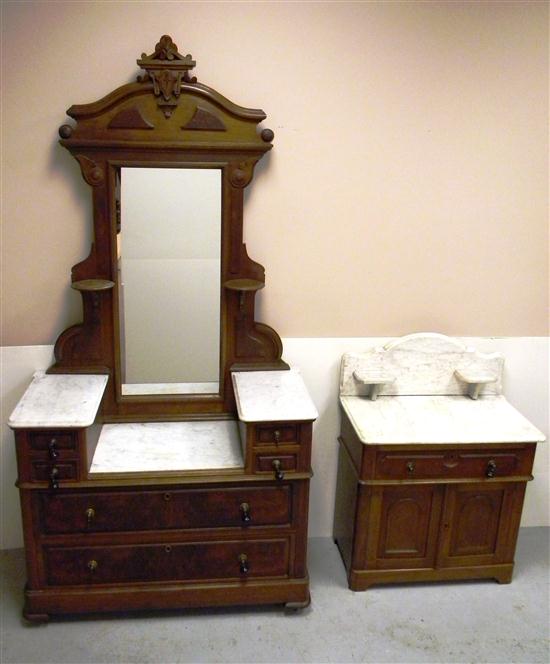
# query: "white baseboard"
x,y
525,385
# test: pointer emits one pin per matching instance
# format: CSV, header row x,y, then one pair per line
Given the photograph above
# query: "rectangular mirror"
x,y
169,262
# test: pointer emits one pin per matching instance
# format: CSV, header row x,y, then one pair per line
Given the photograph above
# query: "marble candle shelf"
x,y
374,380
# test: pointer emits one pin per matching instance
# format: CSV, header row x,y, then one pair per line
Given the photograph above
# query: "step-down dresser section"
x,y
163,514
168,497
431,474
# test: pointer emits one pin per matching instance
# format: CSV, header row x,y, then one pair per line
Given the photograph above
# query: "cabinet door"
x,y
402,532
480,524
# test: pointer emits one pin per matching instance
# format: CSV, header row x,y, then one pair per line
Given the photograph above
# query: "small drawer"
x,y
95,512
452,464
53,445
42,471
274,435
265,463
233,560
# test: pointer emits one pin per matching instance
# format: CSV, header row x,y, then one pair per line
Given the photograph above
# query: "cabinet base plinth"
x,y
42,604
363,579
292,607
36,617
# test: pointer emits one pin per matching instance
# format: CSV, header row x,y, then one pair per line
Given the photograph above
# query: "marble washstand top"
x,y
438,419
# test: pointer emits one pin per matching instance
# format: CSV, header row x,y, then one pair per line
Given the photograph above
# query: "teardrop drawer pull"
x,y
92,565
245,512
52,449
279,474
90,515
54,478
243,563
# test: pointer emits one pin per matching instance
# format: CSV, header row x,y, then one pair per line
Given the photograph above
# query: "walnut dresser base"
x,y
430,486
164,515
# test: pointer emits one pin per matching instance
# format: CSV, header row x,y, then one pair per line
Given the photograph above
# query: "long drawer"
x,y
161,562
473,463
62,513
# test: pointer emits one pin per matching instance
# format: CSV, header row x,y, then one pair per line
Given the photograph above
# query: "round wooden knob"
x,y
65,131
267,135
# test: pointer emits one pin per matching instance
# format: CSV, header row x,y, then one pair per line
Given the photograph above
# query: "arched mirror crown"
x,y
168,288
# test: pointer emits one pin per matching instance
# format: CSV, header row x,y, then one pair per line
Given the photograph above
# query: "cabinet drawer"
x,y
154,510
236,560
52,441
41,471
453,464
269,435
265,462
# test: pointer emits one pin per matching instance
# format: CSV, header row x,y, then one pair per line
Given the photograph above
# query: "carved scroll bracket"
x,y
241,174
167,69
91,172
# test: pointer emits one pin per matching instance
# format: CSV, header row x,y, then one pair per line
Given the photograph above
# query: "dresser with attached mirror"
x,y
164,458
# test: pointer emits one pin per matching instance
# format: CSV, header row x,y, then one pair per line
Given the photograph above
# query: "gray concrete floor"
x,y
474,621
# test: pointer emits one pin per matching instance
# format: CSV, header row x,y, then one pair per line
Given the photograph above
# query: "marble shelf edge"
x,y
272,396
53,401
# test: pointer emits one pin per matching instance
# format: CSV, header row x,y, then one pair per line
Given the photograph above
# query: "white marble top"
x,y
272,396
167,446
437,419
132,389
420,364
59,400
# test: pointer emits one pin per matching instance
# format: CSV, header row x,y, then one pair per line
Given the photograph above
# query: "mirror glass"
x,y
169,262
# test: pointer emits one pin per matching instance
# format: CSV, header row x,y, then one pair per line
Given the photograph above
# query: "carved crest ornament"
x,y
167,69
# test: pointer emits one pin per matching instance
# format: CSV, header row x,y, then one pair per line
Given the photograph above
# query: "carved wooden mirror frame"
x,y
165,119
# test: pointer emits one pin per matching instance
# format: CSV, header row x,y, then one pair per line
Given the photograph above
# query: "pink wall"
x,y
407,188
